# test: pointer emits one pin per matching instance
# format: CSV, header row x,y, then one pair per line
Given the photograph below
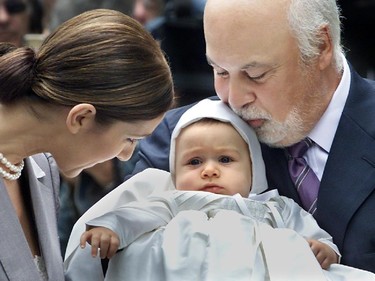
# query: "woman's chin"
x,y
71,173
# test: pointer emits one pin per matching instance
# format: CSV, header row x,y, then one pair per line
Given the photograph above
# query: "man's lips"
x,y
256,123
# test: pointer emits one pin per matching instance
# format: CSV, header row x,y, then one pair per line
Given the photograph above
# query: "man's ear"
x,y
326,48
80,116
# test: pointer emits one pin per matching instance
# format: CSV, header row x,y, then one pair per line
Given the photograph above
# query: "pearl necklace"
x,y
13,168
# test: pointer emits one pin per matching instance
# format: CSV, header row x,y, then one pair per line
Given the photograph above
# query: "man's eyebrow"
x,y
253,64
256,64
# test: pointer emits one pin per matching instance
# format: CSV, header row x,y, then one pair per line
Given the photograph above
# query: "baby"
x,y
213,150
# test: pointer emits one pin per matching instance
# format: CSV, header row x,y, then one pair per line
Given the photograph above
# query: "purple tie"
x,y
304,178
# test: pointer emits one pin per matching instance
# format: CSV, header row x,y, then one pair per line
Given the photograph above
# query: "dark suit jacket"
x,y
346,200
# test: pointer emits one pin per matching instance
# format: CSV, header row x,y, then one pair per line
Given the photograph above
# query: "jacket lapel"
x,y
15,254
351,163
45,219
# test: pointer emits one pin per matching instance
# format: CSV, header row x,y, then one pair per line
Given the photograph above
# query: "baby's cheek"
x,y
185,182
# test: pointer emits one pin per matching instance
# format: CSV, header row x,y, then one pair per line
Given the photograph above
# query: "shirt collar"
x,y
325,130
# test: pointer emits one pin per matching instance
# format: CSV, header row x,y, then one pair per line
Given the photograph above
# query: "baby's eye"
x,y
225,159
194,162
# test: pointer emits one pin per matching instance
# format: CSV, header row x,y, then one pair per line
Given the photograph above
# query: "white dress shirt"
x,y
325,130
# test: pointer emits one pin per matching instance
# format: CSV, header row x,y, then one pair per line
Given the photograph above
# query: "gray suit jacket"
x,y
16,261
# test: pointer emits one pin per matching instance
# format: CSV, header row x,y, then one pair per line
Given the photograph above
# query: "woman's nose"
x,y
126,153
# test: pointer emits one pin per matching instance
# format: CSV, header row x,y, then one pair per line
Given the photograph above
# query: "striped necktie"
x,y
305,180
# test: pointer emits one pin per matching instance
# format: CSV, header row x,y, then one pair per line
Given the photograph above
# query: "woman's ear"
x,y
80,116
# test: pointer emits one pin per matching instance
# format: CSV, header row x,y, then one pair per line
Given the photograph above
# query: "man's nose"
x,y
240,93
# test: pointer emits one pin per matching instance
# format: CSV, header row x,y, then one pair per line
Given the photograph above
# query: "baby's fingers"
x,y
108,246
85,237
95,244
113,247
104,245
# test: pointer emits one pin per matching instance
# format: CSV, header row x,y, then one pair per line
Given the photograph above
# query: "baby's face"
x,y
213,157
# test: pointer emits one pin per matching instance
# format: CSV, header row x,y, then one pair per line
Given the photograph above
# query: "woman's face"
x,y
102,144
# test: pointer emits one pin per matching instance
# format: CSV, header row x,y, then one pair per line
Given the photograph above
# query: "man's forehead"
x,y
262,8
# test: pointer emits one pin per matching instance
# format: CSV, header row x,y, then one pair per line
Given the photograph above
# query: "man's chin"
x,y
271,141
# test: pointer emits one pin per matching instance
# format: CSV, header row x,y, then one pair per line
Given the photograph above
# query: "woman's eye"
x,y
225,159
132,140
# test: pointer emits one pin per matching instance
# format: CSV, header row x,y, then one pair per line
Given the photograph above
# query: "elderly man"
x,y
280,66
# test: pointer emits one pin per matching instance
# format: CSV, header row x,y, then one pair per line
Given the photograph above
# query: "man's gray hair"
x,y
306,18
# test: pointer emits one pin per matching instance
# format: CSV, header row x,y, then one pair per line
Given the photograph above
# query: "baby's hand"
x,y
323,253
101,238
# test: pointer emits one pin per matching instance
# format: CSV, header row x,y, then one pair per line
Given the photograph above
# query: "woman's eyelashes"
x,y
132,140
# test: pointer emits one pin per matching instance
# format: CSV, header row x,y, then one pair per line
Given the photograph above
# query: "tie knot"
x,y
299,149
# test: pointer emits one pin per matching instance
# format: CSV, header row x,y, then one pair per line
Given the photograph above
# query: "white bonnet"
x,y
218,110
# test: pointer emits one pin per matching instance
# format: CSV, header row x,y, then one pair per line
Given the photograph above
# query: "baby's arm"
x,y
101,238
323,253
304,223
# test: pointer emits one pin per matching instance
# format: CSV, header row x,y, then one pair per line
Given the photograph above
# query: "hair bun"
x,y
16,72
6,48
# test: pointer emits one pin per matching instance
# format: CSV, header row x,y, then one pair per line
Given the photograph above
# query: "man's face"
x,y
14,20
258,71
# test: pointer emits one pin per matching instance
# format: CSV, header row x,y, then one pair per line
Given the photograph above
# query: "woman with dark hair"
x,y
97,84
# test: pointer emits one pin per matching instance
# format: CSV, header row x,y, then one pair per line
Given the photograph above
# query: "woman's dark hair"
x,y
101,57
